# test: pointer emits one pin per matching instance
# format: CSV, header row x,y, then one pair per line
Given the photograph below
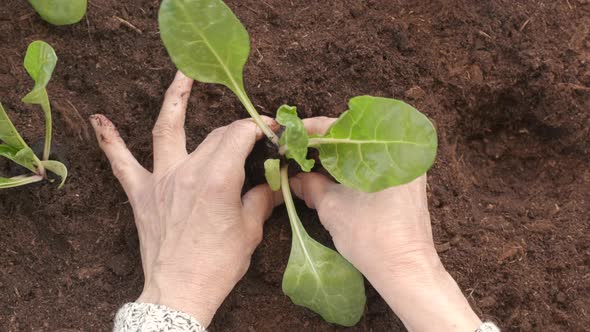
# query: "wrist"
x,y
193,297
427,290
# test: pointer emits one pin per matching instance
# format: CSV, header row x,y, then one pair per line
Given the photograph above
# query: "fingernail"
x,y
93,120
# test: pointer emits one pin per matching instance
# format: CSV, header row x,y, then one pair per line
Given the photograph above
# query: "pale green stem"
x,y
48,126
255,116
296,225
21,181
299,233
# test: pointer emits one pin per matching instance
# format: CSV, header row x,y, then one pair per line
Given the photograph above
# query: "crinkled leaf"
x,y
319,278
378,143
294,139
60,12
57,168
205,40
272,173
15,147
18,181
40,61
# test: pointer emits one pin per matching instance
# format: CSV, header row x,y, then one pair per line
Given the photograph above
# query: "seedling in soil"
x,y
40,62
378,143
60,12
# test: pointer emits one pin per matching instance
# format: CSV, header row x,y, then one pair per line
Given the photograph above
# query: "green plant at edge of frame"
x,y
60,12
378,143
40,61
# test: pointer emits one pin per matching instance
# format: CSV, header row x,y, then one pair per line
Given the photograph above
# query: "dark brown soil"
x,y
507,83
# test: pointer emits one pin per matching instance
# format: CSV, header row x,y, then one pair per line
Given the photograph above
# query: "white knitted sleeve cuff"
x,y
146,317
488,327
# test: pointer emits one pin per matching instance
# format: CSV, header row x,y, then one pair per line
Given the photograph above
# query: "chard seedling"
x,y
40,61
60,12
376,144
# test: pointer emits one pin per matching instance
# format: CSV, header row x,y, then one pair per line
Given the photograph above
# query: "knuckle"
x,y
164,129
120,170
328,203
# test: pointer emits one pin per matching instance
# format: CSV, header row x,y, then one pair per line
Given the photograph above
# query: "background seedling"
x,y
60,12
40,61
376,144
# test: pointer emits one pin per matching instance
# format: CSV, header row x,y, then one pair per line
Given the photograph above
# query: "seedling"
x,y
60,12
40,62
376,144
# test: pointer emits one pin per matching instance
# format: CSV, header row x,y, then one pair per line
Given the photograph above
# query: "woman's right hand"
x,y
387,236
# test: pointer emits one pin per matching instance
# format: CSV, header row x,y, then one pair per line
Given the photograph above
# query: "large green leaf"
x,y
272,173
19,181
294,139
208,43
378,143
40,61
15,147
60,12
57,168
205,40
317,277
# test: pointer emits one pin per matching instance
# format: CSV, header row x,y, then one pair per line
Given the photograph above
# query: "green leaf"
x,y
272,173
208,43
24,157
8,133
15,147
19,181
378,143
57,168
60,12
294,139
319,278
40,61
205,40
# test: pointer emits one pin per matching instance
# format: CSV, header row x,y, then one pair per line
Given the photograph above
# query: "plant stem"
x,y
255,116
296,225
299,233
48,127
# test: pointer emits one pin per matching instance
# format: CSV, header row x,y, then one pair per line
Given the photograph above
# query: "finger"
x,y
259,202
237,142
214,139
125,167
318,125
168,133
311,187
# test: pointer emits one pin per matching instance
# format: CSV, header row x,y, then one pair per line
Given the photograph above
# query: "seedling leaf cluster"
x,y
40,61
378,143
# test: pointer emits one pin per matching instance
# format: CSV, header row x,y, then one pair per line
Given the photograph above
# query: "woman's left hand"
x,y
197,232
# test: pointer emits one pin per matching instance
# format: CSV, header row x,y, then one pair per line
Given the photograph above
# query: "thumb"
x,y
311,187
259,202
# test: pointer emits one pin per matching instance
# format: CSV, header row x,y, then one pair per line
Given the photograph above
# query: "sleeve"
x,y
488,327
146,317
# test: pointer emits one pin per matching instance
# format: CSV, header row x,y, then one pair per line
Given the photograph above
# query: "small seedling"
x,y
40,61
378,143
60,12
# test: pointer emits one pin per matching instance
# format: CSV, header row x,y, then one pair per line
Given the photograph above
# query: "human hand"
x,y
387,236
196,232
